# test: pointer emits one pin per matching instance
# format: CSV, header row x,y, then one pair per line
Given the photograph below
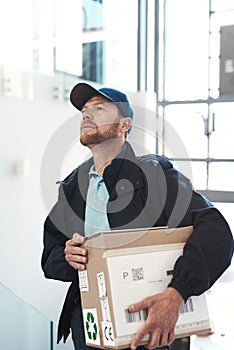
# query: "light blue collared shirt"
x,y
96,219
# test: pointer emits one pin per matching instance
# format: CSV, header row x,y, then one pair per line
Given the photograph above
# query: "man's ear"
x,y
125,124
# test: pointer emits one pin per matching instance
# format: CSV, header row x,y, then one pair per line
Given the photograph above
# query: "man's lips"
x,y
87,126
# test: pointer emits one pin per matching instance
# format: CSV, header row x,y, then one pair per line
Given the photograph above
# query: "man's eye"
x,y
100,108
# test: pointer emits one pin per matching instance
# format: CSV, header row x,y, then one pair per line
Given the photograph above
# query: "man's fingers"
x,y
143,304
76,258
78,238
164,339
171,337
77,266
139,336
154,339
75,255
70,249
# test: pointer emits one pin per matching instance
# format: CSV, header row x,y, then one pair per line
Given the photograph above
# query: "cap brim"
x,y
83,92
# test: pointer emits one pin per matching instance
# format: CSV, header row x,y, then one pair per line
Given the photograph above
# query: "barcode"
x,y
187,307
141,315
137,274
135,316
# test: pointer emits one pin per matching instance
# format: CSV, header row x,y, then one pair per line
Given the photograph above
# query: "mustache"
x,y
94,125
91,125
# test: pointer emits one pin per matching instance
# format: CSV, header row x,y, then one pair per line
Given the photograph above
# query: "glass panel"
x,y
120,64
16,33
194,171
110,49
222,142
93,61
43,52
68,32
220,19
22,327
93,15
161,51
186,49
221,176
215,44
214,75
184,131
150,45
217,5
227,209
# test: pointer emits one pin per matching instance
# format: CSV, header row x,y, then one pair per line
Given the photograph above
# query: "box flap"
x,y
138,237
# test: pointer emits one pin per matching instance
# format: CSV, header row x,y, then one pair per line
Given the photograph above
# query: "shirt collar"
x,y
92,172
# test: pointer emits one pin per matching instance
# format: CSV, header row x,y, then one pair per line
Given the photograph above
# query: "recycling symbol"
x,y
91,326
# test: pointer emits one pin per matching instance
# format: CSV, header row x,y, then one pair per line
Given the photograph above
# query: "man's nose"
x,y
87,115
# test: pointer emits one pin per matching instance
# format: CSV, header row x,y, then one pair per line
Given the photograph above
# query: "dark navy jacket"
x,y
144,191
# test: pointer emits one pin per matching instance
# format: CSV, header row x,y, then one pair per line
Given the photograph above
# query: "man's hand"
x,y
74,254
163,312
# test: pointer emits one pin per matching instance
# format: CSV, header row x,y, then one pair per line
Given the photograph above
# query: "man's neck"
x,y
104,153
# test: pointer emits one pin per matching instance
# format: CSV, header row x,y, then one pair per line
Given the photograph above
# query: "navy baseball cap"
x,y
83,92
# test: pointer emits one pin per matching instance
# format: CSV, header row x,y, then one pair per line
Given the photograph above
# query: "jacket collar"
x,y
121,176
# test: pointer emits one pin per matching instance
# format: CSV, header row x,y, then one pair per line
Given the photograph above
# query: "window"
x,y
109,50
185,49
197,116
93,61
205,128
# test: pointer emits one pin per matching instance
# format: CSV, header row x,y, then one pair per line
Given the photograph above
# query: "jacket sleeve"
x,y
53,260
208,251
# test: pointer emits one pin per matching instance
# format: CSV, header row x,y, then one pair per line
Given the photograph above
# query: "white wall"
x,y
46,134
26,129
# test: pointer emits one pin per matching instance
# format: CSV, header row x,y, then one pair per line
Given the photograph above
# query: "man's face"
x,y
100,121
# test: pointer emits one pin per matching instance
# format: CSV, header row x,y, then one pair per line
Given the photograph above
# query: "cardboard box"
x,y
124,267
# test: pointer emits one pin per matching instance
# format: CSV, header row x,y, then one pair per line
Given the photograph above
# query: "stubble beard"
x,y
100,134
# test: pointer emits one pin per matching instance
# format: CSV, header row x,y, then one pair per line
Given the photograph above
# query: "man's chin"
x,y
92,141
83,141
86,138
91,138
